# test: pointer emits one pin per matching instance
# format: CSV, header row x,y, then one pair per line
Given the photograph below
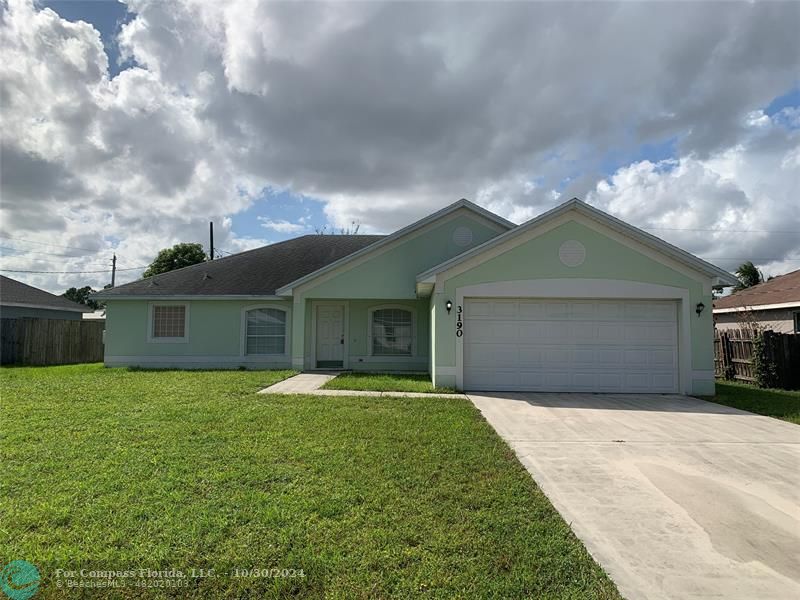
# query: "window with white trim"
x,y
797,322
392,332
169,321
266,331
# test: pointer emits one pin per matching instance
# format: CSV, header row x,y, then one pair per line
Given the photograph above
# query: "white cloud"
x,y
281,226
387,112
748,190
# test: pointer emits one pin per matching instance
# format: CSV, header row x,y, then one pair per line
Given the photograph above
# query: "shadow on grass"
x,y
780,404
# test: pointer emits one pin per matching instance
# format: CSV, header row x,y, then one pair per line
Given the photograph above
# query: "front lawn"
x,y
353,497
781,404
385,382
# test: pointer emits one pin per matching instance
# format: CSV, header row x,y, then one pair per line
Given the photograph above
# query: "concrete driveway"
x,y
675,497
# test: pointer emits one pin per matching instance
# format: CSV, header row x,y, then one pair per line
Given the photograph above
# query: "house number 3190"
x,y
459,321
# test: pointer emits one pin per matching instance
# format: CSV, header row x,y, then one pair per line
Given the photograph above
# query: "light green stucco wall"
x,y
605,259
389,277
214,335
359,341
392,274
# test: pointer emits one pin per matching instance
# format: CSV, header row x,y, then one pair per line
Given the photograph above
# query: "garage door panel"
x,y
477,308
531,330
634,357
530,355
609,334
555,310
606,357
529,380
483,354
607,311
662,358
503,310
555,357
489,331
664,380
571,345
530,310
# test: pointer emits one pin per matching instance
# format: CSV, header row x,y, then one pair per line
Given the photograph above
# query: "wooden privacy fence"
x,y
34,341
734,357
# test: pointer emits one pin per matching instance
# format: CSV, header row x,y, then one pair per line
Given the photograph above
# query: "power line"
x,y
26,251
9,237
721,230
747,258
75,272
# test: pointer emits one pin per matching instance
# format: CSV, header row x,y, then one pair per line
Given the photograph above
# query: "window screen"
x,y
392,332
169,321
266,331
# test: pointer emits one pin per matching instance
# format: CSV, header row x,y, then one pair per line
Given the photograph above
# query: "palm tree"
x,y
748,275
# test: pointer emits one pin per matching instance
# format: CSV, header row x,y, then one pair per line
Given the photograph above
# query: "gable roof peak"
x,y
16,293
721,276
400,233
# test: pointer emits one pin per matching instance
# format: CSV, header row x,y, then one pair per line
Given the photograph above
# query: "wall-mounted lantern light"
x,y
699,308
449,306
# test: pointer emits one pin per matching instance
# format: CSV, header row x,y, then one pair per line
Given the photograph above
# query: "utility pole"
x,y
211,239
113,269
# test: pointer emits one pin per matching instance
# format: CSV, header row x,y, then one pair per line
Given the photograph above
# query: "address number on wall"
x,y
459,321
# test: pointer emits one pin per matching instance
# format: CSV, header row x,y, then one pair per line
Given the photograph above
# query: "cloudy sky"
x,y
127,127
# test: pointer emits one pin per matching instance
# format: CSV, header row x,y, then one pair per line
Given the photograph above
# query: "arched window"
x,y
392,331
266,331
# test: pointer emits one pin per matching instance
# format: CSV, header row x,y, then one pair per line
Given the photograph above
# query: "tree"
x,y
352,229
180,255
81,296
748,275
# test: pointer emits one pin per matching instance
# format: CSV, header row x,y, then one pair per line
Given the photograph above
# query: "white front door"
x,y
570,345
330,336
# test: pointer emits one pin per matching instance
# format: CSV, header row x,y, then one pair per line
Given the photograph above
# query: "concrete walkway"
x,y
310,383
304,383
675,497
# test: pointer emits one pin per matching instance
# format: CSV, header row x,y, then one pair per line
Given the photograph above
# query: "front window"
x,y
169,321
797,322
266,331
392,332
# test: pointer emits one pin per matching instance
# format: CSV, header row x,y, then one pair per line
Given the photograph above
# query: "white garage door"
x,y
570,345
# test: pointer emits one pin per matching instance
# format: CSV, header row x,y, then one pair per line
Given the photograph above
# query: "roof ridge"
x,y
257,271
238,254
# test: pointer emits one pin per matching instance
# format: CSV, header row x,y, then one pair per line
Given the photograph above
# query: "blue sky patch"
x,y
107,16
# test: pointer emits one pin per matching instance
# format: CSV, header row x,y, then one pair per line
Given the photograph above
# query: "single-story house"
x,y
572,300
774,304
18,299
96,316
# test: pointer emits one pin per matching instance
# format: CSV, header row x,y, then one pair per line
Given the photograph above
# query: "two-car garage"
x,y
576,345
574,300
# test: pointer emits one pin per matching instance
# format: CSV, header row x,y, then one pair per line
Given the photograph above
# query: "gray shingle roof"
x,y
779,290
13,292
256,272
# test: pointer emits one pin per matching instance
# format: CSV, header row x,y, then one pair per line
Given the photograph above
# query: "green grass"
x,y
386,382
781,404
370,497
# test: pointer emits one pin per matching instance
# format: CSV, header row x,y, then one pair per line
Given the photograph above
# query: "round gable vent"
x,y
572,253
462,236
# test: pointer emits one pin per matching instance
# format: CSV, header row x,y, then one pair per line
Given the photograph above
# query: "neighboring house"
x,y
774,304
98,316
20,300
573,300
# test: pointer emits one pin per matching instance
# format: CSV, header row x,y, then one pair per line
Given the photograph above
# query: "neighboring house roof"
x,y
258,272
695,263
97,315
16,293
463,203
779,292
